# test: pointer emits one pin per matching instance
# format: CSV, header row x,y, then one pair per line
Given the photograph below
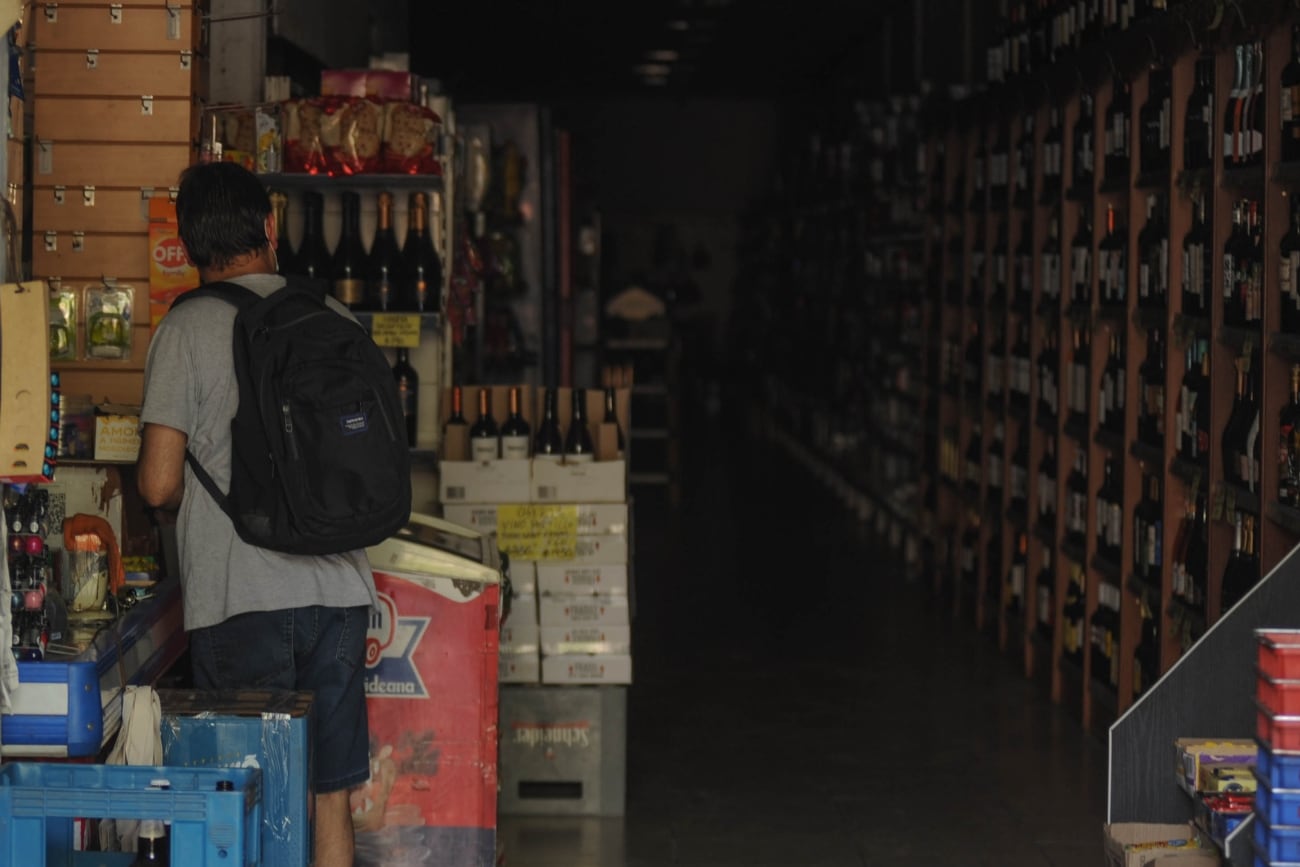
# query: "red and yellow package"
x,y
411,139
304,140
352,131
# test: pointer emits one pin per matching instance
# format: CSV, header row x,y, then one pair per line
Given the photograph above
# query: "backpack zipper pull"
x,y
288,419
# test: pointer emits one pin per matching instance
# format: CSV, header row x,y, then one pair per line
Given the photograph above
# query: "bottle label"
x,y
484,448
1144,280
1287,109
1294,262
514,448
1229,276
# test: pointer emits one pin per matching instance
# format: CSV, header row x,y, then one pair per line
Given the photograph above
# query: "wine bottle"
x,y
1046,591
1251,268
549,441
1020,376
1081,262
998,165
1290,82
286,259
1051,260
995,467
578,447
1232,111
1083,147
383,266
1117,134
1016,575
1234,432
152,846
1254,120
1233,250
1201,426
1250,446
1076,498
611,418
1112,266
349,264
1197,119
1197,265
484,436
1153,257
313,257
1079,377
1052,154
1047,487
1151,422
421,266
1073,613
1179,584
1018,487
1289,272
456,419
1288,471
999,299
1111,405
408,389
1024,167
1146,668
1049,359
516,435
1236,575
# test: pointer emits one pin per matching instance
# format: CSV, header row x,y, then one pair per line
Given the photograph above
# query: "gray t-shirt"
x,y
189,385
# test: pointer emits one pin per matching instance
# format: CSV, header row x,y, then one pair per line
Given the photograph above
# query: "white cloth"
x,y
8,665
139,742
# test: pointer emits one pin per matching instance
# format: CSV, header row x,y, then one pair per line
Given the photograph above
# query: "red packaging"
x,y
382,84
431,697
304,140
411,134
352,131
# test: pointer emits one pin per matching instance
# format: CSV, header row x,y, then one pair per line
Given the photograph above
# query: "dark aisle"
x,y
796,703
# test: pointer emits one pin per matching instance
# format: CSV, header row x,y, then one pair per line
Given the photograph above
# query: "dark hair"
x,y
221,211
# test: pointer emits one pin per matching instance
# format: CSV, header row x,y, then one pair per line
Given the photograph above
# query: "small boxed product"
x,y
520,636
578,578
1142,844
484,482
352,131
519,668
117,432
556,610
170,270
582,669
1192,753
382,84
411,134
576,640
63,325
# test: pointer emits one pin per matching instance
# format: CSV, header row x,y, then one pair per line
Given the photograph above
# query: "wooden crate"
x,y
90,253
97,209
116,27
116,119
179,73
79,164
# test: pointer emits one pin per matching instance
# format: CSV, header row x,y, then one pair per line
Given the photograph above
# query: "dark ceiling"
x,y
566,50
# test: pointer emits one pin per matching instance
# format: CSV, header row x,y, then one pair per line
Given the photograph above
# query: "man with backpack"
x,y
270,456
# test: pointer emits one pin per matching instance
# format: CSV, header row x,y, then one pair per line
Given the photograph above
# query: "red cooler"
x,y
431,697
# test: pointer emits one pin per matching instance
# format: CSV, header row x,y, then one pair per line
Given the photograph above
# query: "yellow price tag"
x,y
538,532
401,330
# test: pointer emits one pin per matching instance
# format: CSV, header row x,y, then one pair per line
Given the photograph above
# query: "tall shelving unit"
x,y
987,234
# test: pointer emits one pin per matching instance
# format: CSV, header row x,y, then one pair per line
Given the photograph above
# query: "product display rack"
x,y
970,132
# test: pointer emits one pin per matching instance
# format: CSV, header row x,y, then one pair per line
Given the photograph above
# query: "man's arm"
x,y
160,472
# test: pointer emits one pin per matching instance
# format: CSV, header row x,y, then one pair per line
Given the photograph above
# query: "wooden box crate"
x,y
179,73
78,164
117,119
116,27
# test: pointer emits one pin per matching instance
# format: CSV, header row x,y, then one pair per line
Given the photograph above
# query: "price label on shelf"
x,y
398,330
538,532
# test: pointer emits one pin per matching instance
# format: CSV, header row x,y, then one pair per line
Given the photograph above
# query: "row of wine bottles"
x,y
388,277
515,439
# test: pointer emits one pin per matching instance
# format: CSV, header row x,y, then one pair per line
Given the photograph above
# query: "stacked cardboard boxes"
x,y
566,529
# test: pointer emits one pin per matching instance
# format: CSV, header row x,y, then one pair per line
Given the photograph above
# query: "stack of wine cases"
x,y
1183,506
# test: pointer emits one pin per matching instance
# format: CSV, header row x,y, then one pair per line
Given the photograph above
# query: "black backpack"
x,y
320,462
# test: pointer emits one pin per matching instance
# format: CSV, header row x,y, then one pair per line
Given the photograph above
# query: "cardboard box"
x,y
265,729
117,433
601,549
604,440
594,519
456,446
520,668
170,270
26,392
1192,753
1121,835
520,636
577,578
591,482
604,670
569,611
576,640
523,609
484,482
523,577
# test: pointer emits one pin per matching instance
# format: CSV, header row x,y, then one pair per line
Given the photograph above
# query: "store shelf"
x,y
1074,550
296,181
1018,515
1245,180
1150,455
1179,609
1108,568
1286,517
1236,497
1077,430
1045,534
1110,441
1149,318
1113,313
1239,339
1285,346
1145,590
1188,472
1157,180
1191,326
429,321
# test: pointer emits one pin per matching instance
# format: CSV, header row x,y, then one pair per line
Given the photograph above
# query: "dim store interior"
x,y
862,436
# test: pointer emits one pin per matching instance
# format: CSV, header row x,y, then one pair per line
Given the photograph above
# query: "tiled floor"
x,y
798,704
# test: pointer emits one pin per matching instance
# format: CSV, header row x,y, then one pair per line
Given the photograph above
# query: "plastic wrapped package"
x,y
267,729
304,144
108,320
411,134
352,131
63,325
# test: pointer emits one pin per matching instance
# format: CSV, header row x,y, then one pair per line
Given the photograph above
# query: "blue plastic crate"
x,y
57,710
1277,844
1277,807
38,803
1279,770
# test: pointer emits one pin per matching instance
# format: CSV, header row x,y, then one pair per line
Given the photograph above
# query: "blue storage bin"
x,y
38,803
1277,806
1279,770
56,710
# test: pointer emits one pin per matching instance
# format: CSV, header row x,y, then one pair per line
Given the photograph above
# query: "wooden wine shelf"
x,y
1108,568
1144,590
1249,179
289,180
1240,339
1110,441
1018,515
1074,551
1191,326
1236,497
1150,317
1077,430
1286,517
1158,180
1150,455
1286,346
1178,609
1287,174
1188,472
1045,534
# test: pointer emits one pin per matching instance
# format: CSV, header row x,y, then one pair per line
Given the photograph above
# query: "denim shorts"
x,y
316,649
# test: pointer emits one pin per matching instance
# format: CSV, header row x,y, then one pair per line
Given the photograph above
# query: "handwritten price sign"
x,y
538,532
